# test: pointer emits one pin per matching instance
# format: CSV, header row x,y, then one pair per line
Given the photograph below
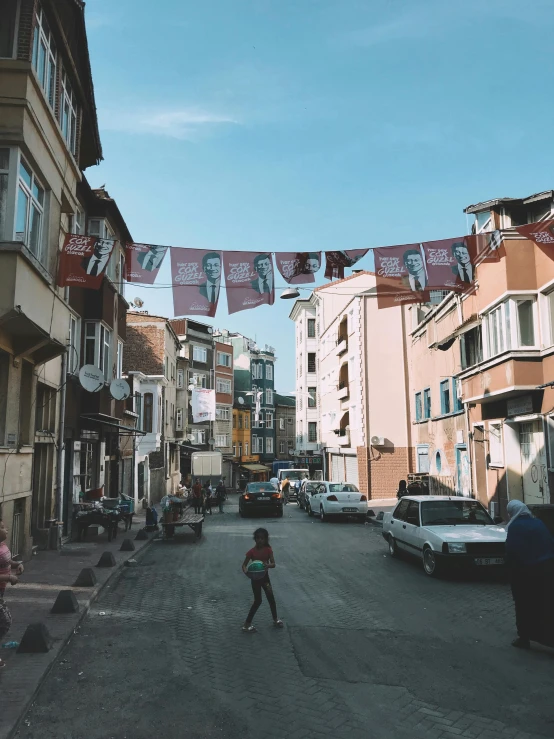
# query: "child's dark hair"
x,y
264,533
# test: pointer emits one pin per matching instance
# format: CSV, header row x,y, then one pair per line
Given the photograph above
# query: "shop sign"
x,y
250,458
519,406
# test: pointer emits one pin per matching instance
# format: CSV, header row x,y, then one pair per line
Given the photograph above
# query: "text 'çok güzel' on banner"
x,y
196,278
249,280
83,261
143,262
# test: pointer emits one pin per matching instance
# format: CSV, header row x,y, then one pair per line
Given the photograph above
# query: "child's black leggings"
x,y
257,587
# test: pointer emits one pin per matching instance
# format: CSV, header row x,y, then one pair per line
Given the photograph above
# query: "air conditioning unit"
x,y
377,441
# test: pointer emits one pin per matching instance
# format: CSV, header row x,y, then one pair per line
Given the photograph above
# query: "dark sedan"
x,y
261,497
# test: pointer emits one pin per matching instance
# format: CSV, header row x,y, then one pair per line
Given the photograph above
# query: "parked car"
x,y
261,497
338,499
445,531
307,489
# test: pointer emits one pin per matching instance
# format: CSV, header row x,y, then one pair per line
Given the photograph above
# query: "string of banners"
x,y
404,273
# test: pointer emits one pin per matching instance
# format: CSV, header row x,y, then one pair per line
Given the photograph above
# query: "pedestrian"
x,y
197,496
530,558
7,564
264,553
274,481
207,495
285,489
402,489
220,495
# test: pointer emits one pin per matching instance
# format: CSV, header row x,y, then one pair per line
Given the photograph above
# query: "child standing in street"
x,y
263,553
7,564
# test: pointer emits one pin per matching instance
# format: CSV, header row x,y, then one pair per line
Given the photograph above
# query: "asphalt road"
x,y
371,647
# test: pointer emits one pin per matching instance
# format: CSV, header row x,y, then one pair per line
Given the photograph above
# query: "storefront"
x,y
252,472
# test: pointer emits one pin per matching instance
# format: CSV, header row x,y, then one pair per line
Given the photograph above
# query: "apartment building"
x,y
152,349
285,426
361,376
224,381
484,358
48,136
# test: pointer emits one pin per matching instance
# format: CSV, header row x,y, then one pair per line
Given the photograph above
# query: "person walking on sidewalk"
x,y
7,564
207,495
264,553
197,496
220,495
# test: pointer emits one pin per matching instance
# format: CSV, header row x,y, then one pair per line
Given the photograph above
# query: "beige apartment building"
x,y
48,135
482,422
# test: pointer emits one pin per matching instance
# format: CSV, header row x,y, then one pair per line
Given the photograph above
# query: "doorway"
x,y
533,461
463,474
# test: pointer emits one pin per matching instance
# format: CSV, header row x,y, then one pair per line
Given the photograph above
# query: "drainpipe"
x,y
60,450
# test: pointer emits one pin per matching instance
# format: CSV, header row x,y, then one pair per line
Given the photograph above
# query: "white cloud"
x,y
181,123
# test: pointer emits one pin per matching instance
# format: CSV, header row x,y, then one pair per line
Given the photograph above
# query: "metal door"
x,y
337,468
533,461
352,470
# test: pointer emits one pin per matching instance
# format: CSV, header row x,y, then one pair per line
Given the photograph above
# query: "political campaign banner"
x,y
203,405
336,261
298,267
143,262
196,279
249,280
449,264
83,261
401,275
542,232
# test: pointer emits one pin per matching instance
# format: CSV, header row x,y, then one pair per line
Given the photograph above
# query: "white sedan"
x,y
338,499
445,531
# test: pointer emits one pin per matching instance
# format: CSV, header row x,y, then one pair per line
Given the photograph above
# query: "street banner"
x,y
298,267
249,280
196,279
450,264
83,261
542,233
336,261
401,276
203,405
143,262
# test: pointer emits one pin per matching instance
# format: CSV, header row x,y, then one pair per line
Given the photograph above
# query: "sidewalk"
x,y
30,602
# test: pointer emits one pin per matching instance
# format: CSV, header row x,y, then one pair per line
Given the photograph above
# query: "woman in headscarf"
x,y
530,557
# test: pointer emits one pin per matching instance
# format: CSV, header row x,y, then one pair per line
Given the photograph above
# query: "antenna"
x,y
138,303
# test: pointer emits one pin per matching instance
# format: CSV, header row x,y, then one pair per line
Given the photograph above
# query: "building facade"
x,y
224,390
285,426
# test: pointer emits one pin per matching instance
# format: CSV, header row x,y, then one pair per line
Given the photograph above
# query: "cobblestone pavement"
x,y
371,647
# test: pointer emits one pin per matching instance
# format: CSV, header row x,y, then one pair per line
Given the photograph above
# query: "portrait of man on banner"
x,y
450,264
196,278
463,269
143,262
83,261
298,267
401,275
336,261
249,279
417,276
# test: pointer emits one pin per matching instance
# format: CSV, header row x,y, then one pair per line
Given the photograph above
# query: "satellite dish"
x,y
120,389
211,441
241,401
91,378
138,302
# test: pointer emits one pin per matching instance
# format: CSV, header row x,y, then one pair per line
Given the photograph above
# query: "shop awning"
x,y
255,467
113,422
447,341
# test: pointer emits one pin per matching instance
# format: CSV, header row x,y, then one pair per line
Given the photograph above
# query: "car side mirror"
x,y
498,519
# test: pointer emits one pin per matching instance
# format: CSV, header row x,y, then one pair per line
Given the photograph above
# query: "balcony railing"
x,y
342,346
343,438
343,390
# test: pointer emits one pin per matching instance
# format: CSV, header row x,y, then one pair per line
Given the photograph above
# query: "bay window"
x,y
29,210
68,113
148,412
44,56
510,325
98,341
199,354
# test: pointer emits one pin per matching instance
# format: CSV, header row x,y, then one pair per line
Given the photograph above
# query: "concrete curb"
x,y
7,732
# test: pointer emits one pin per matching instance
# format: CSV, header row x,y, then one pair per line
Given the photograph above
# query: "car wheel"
x,y
309,510
280,513
324,518
431,565
393,549
362,519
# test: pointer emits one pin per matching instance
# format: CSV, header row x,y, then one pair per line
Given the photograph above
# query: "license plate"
x,y
263,497
350,510
489,561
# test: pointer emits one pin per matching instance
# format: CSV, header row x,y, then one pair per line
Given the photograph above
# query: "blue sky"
x,y
277,125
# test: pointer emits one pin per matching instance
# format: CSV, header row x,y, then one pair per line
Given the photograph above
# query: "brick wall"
x,y
379,471
26,30
144,349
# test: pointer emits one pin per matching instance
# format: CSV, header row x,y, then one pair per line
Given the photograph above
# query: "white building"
x,y
304,315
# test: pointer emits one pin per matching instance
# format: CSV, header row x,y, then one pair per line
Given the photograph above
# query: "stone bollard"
x,y
106,560
85,579
141,535
66,602
36,639
127,546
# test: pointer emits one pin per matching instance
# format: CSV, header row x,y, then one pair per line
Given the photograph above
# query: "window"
x,y
7,29
470,343
282,424
240,420
289,421
290,444
525,322
269,371
198,380
240,448
311,362
4,174
269,420
495,327
246,421
445,397
74,348
223,414
179,419
172,371
457,404
148,412
98,346
483,221
257,445
234,420
45,416
78,222
223,359
86,463
246,448
312,432
257,370
137,407
511,325
30,210
282,447
412,515
418,407
68,113
198,436
269,396
180,379
269,445
427,403
223,386
119,359
423,459
311,328
312,397
166,414
234,450
221,440
44,56
438,462
121,272
199,354
496,451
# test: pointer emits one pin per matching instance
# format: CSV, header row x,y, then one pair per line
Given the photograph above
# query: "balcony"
x,y
343,390
343,438
342,346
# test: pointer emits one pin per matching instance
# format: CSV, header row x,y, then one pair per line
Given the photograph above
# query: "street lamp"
x,y
290,293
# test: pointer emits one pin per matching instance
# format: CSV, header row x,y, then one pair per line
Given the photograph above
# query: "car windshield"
x,y
343,488
454,513
311,486
260,487
293,474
